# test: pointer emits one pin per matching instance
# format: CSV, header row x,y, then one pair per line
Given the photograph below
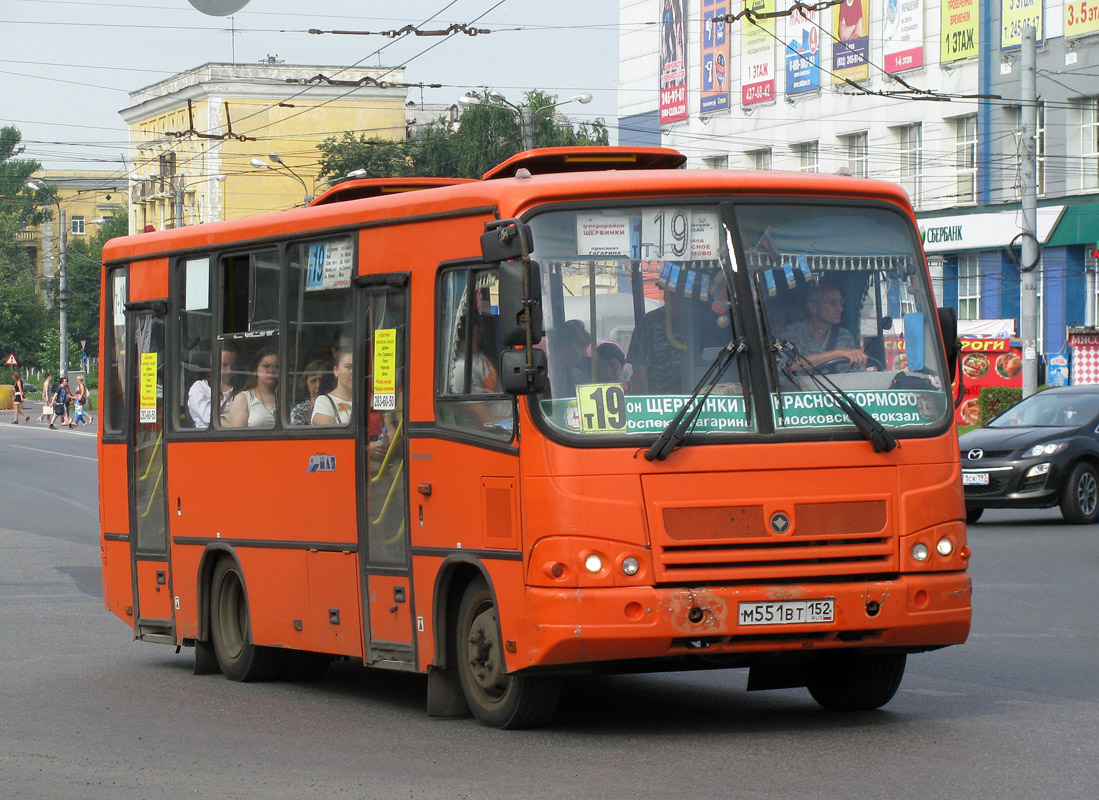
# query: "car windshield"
x,y
639,301
1049,410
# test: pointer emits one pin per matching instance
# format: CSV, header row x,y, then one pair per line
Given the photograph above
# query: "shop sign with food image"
x,y
987,362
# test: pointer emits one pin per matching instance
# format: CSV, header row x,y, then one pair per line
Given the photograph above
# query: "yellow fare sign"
x,y
385,369
602,407
148,387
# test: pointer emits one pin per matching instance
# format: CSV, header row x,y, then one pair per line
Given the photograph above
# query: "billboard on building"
x,y
961,30
715,57
757,54
1014,16
851,45
902,36
1081,18
802,50
673,61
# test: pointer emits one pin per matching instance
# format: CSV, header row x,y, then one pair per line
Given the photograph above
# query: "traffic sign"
x,y
83,343
11,361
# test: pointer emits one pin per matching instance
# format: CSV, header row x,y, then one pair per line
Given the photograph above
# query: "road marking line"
x,y
52,452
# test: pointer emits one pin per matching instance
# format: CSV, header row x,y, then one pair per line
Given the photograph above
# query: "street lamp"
x,y
62,276
256,162
524,112
179,195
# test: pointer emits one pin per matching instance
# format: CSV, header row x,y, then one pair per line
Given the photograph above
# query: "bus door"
x,y
382,309
147,480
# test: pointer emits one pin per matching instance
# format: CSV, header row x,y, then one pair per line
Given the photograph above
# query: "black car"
x,y
1039,453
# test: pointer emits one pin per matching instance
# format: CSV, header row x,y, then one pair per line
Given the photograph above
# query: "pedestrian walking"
x,y
61,400
80,401
17,398
47,401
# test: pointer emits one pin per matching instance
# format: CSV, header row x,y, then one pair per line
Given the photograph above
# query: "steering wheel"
x,y
843,364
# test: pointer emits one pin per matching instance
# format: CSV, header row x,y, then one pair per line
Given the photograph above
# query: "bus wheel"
x,y
857,682
497,699
230,631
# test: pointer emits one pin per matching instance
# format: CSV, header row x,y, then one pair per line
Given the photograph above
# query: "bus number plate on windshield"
x,y
788,612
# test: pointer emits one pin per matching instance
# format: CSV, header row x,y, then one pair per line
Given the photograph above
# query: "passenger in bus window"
x,y
200,395
483,380
568,366
334,408
611,364
311,379
254,406
819,337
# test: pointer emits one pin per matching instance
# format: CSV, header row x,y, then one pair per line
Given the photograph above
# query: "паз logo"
x,y
322,463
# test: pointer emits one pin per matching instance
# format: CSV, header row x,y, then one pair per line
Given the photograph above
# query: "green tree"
x,y
23,320
486,135
84,272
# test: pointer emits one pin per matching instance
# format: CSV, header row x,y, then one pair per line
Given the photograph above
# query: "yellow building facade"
x,y
193,137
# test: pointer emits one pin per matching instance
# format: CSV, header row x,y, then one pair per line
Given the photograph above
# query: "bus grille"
x,y
736,543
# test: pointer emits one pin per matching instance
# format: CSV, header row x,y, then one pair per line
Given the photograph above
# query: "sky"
x,y
67,66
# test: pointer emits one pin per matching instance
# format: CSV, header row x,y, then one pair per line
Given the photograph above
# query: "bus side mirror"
x,y
519,377
505,239
948,324
515,299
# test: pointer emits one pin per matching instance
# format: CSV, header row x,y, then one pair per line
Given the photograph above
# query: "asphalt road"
x,y
85,712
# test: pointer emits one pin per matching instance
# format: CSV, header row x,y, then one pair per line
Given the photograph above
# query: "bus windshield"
x,y
640,300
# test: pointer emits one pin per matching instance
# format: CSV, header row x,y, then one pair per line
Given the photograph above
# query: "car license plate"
x,y
974,479
787,612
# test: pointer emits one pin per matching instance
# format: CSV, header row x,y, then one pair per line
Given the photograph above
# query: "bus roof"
x,y
375,187
547,160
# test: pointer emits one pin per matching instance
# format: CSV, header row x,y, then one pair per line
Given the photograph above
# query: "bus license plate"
x,y
788,612
974,479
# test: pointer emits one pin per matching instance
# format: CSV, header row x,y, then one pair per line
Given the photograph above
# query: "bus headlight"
x,y
630,566
920,552
593,563
945,547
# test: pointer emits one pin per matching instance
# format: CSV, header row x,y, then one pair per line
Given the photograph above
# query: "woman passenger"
x,y
254,407
302,413
334,408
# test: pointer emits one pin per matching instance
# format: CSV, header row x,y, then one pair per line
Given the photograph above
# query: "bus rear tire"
x,y
496,699
851,682
231,631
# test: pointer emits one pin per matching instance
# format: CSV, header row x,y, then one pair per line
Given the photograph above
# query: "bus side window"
x,y
196,323
468,352
114,393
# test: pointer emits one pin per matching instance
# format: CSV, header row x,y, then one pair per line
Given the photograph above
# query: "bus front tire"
x,y
857,682
231,633
496,699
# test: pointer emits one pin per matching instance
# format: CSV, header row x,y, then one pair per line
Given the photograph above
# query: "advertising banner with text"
x,y
673,61
851,48
715,57
1014,16
1081,18
802,50
961,30
902,37
757,54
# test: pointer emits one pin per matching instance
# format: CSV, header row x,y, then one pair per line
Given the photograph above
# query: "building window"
x,y
76,226
911,152
760,159
858,154
1089,142
808,156
969,287
716,162
965,157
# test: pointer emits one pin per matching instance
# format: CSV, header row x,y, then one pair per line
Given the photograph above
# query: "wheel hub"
x,y
484,662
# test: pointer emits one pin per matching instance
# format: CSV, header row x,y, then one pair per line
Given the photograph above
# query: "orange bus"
x,y
592,412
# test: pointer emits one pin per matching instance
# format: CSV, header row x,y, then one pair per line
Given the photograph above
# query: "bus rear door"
x,y
147,480
382,308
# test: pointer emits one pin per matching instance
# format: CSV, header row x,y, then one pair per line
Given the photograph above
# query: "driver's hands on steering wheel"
x,y
856,355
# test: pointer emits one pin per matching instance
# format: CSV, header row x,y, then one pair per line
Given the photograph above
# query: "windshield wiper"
x,y
880,439
680,426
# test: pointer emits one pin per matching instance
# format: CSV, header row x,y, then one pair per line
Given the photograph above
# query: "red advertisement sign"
x,y
984,362
673,61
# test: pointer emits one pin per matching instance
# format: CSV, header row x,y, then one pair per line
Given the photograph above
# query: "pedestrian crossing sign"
x,y
11,360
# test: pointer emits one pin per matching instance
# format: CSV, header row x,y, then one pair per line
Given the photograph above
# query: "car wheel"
x,y
1080,495
973,514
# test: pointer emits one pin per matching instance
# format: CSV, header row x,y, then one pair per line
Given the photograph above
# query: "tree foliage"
x,y
23,319
487,135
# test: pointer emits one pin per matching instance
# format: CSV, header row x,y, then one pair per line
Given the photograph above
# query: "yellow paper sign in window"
x,y
385,369
602,407
148,387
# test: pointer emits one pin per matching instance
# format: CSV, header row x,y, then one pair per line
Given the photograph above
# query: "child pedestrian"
x,y
80,399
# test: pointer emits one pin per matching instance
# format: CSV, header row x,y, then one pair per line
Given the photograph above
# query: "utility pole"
x,y
1028,264
526,118
63,298
179,201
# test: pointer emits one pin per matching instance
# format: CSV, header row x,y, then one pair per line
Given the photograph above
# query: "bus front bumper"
x,y
915,611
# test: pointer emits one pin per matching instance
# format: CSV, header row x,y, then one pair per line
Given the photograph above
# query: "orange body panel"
x,y
114,494
390,619
156,596
118,594
149,280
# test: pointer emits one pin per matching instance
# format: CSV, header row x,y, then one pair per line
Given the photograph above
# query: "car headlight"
x,y
1045,449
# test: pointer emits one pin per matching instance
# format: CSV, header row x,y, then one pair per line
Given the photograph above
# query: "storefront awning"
x,y
1079,225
